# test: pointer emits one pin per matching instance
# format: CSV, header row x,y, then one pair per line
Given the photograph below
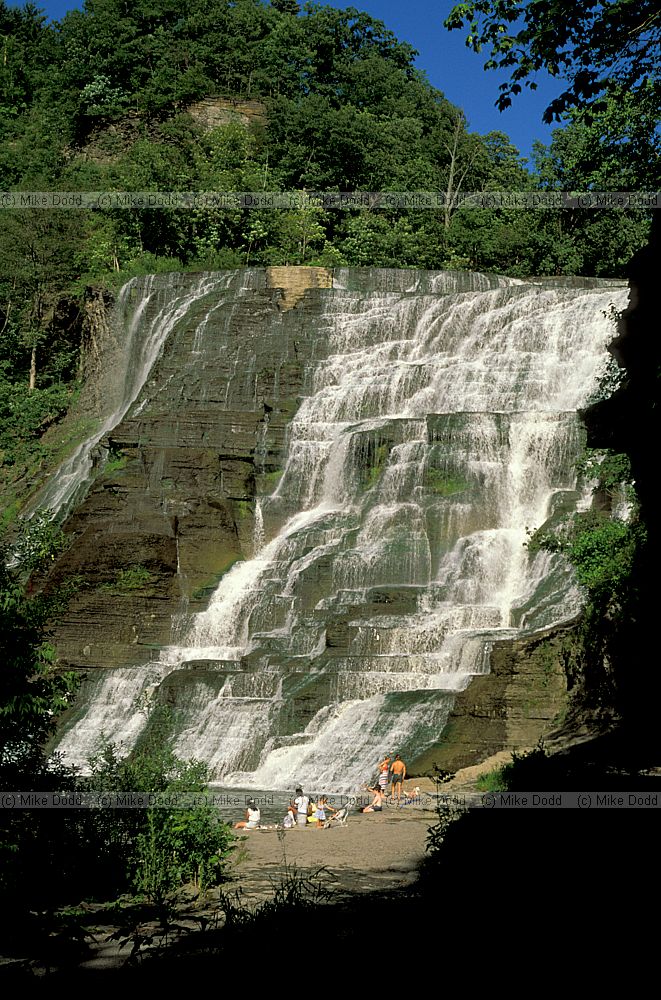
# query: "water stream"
x,y
439,425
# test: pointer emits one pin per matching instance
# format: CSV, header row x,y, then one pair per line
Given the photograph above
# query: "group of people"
x,y
301,811
392,771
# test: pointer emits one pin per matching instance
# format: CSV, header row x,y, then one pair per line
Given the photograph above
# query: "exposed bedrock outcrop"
x,y
176,495
175,501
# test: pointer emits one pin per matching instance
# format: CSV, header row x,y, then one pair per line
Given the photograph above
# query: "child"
x,y
320,811
290,819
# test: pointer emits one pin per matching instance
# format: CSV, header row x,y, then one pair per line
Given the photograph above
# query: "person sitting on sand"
x,y
376,804
253,816
290,819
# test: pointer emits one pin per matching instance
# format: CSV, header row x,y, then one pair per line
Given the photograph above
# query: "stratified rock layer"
x,y
176,500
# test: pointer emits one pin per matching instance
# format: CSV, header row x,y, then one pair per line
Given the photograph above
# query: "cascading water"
x,y
145,321
439,425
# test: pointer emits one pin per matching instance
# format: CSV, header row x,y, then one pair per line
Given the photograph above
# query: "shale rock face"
x,y
523,699
411,462
216,111
173,508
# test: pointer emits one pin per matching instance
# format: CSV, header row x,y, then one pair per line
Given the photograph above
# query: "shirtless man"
x,y
398,773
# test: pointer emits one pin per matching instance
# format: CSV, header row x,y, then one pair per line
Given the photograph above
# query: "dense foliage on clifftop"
x,y
105,99
99,103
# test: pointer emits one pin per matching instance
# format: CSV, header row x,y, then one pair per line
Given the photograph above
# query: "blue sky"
x,y
449,65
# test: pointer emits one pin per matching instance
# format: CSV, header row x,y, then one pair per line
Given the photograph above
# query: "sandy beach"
x,y
372,859
374,856
371,851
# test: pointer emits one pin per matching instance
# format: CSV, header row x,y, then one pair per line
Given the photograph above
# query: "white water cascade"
x,y
145,321
437,428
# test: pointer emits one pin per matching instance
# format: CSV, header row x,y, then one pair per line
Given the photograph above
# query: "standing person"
x,y
253,816
320,811
384,768
301,806
398,772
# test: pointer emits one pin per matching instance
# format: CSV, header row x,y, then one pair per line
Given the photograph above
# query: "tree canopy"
x,y
593,44
108,98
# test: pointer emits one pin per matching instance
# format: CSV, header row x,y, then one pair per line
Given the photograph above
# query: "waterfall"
x,y
439,423
145,314
258,534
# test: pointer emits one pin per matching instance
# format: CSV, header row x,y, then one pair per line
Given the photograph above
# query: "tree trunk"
x,y
454,187
33,368
449,191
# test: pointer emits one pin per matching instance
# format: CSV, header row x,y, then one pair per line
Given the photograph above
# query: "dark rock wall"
x,y
176,497
630,422
174,505
523,699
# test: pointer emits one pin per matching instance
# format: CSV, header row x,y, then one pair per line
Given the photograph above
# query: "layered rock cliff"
x,y
177,496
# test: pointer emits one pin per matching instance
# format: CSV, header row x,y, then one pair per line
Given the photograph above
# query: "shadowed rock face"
x,y
335,394
177,493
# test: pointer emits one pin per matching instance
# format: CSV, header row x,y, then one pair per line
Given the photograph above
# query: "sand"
x,y
371,851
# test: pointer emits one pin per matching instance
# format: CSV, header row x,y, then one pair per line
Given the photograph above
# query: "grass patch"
x,y
242,509
444,484
492,781
115,463
117,459
128,580
207,589
9,515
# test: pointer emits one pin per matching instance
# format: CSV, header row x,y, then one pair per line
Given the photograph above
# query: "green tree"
x,y
28,48
37,250
299,233
176,840
593,45
616,147
32,691
286,6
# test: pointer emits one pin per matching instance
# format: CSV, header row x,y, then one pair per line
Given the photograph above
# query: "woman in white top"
x,y
253,816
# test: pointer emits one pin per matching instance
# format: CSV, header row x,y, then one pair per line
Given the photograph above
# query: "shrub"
x,y
177,840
